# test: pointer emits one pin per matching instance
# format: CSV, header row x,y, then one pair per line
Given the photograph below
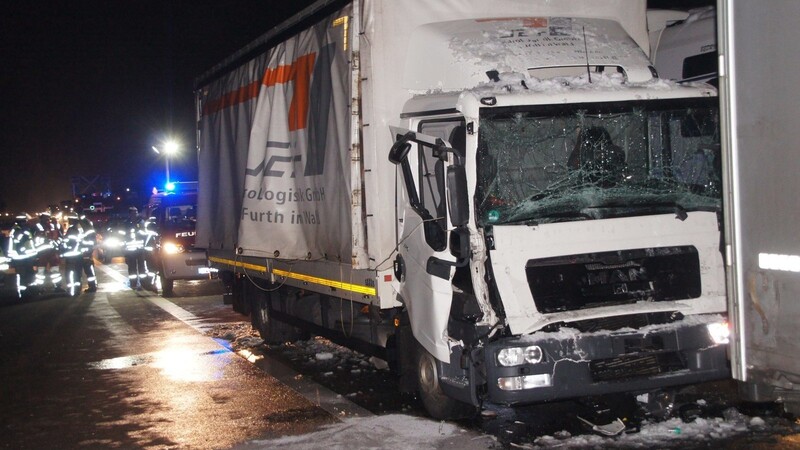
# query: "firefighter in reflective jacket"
x,y
22,252
88,243
135,237
46,239
72,247
148,250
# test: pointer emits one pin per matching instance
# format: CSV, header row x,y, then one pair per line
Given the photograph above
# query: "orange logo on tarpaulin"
x,y
240,95
298,72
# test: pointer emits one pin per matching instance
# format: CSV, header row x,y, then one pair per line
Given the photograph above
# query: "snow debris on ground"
x,y
402,428
324,356
400,431
235,332
329,355
671,433
240,335
394,431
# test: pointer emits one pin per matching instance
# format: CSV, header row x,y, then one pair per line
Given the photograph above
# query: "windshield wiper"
x,y
551,218
680,211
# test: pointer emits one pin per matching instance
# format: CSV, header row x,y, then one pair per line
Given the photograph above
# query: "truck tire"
x,y
239,300
229,290
436,402
167,285
272,331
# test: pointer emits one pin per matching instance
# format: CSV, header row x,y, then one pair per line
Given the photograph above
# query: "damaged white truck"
x,y
501,199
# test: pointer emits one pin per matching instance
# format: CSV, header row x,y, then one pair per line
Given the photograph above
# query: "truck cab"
x,y
171,219
562,233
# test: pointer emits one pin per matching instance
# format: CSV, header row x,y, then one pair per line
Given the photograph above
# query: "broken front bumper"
x,y
586,364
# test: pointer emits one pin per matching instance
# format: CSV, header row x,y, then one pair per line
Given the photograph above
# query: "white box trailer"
x,y
758,88
499,198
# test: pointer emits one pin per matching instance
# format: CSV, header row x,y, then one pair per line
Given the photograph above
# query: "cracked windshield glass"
x,y
592,161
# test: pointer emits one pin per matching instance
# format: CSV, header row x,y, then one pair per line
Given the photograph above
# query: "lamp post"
x,y
170,148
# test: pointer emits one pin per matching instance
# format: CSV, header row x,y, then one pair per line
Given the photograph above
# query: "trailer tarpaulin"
x,y
228,107
295,195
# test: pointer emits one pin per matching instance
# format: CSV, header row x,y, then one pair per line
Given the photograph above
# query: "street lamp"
x,y
170,148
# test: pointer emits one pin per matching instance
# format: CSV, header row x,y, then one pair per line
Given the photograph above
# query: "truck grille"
x,y
634,366
591,280
613,323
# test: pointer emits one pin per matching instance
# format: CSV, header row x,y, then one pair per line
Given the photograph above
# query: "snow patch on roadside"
x,y
401,431
395,431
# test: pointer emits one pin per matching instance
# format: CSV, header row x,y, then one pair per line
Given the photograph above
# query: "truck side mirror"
x,y
457,198
399,151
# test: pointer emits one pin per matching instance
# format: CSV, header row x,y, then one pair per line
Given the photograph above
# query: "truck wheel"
x,y
239,301
226,277
272,331
436,402
166,286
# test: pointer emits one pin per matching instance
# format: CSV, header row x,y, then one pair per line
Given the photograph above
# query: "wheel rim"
x,y
263,316
427,373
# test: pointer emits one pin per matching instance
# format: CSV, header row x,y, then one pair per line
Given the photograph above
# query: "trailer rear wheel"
x,y
436,402
271,330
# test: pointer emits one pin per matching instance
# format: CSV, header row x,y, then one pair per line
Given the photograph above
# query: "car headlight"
x,y
515,356
719,332
172,248
112,242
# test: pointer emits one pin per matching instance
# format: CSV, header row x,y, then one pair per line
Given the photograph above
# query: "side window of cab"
x,y
431,175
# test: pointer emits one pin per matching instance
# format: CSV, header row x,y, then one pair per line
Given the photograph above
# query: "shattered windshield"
x,y
591,161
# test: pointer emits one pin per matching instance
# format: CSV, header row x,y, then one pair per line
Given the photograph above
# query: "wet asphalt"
x,y
113,369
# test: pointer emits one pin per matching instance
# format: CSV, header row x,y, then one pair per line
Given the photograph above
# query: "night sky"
x,y
88,86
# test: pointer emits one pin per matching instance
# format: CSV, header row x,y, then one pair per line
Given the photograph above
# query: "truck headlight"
x,y
515,356
719,332
524,382
172,248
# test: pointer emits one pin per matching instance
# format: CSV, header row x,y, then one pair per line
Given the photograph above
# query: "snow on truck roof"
x,y
515,89
458,54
